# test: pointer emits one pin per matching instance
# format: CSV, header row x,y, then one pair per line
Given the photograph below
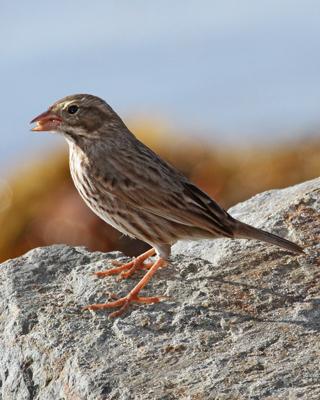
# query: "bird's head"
x,y
79,115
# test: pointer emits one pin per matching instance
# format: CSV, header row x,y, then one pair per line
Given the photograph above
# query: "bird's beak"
x,y
47,121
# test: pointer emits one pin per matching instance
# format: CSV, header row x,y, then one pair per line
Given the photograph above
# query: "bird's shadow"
x,y
309,310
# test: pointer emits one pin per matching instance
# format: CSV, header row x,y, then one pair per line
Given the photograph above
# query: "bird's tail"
x,y
242,230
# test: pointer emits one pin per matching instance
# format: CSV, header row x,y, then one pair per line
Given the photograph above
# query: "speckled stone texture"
x,y
242,320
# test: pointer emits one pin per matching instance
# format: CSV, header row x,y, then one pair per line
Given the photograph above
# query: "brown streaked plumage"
x,y
130,187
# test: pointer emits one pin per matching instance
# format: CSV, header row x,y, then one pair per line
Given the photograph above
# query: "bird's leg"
x,y
132,296
129,268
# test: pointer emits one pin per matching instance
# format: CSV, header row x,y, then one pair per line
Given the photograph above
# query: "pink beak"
x,y
47,121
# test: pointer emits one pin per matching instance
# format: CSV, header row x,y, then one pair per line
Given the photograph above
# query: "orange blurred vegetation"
x,y
40,206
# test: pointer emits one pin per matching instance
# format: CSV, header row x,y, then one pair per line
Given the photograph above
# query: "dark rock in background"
x,y
242,320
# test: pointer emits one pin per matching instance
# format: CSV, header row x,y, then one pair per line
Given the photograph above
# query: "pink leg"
x,y
132,296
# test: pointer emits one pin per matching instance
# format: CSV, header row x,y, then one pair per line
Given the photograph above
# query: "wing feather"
x,y
159,189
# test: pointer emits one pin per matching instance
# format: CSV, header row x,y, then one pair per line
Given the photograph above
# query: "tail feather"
x,y
242,230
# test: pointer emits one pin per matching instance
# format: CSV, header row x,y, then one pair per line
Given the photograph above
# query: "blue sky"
x,y
233,71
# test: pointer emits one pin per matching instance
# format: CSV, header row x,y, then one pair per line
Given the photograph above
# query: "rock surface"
x,y
242,321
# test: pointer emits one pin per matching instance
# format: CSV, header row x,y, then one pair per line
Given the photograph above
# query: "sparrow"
x,y
133,189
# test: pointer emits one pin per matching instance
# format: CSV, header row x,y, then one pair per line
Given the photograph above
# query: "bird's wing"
x,y
156,187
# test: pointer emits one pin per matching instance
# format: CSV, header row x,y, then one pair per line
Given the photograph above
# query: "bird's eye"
x,y
73,109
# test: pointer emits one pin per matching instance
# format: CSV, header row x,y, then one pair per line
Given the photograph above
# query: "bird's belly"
x,y
108,216
105,207
102,203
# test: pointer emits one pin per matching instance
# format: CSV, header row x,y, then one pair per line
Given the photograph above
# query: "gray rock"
x,y
242,320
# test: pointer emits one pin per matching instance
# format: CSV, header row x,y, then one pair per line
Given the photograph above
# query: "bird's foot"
x,y
128,269
134,268
133,296
124,303
124,270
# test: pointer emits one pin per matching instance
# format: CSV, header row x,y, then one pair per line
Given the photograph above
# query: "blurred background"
x,y
226,91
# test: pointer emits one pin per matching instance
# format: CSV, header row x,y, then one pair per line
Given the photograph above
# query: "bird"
x,y
133,189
